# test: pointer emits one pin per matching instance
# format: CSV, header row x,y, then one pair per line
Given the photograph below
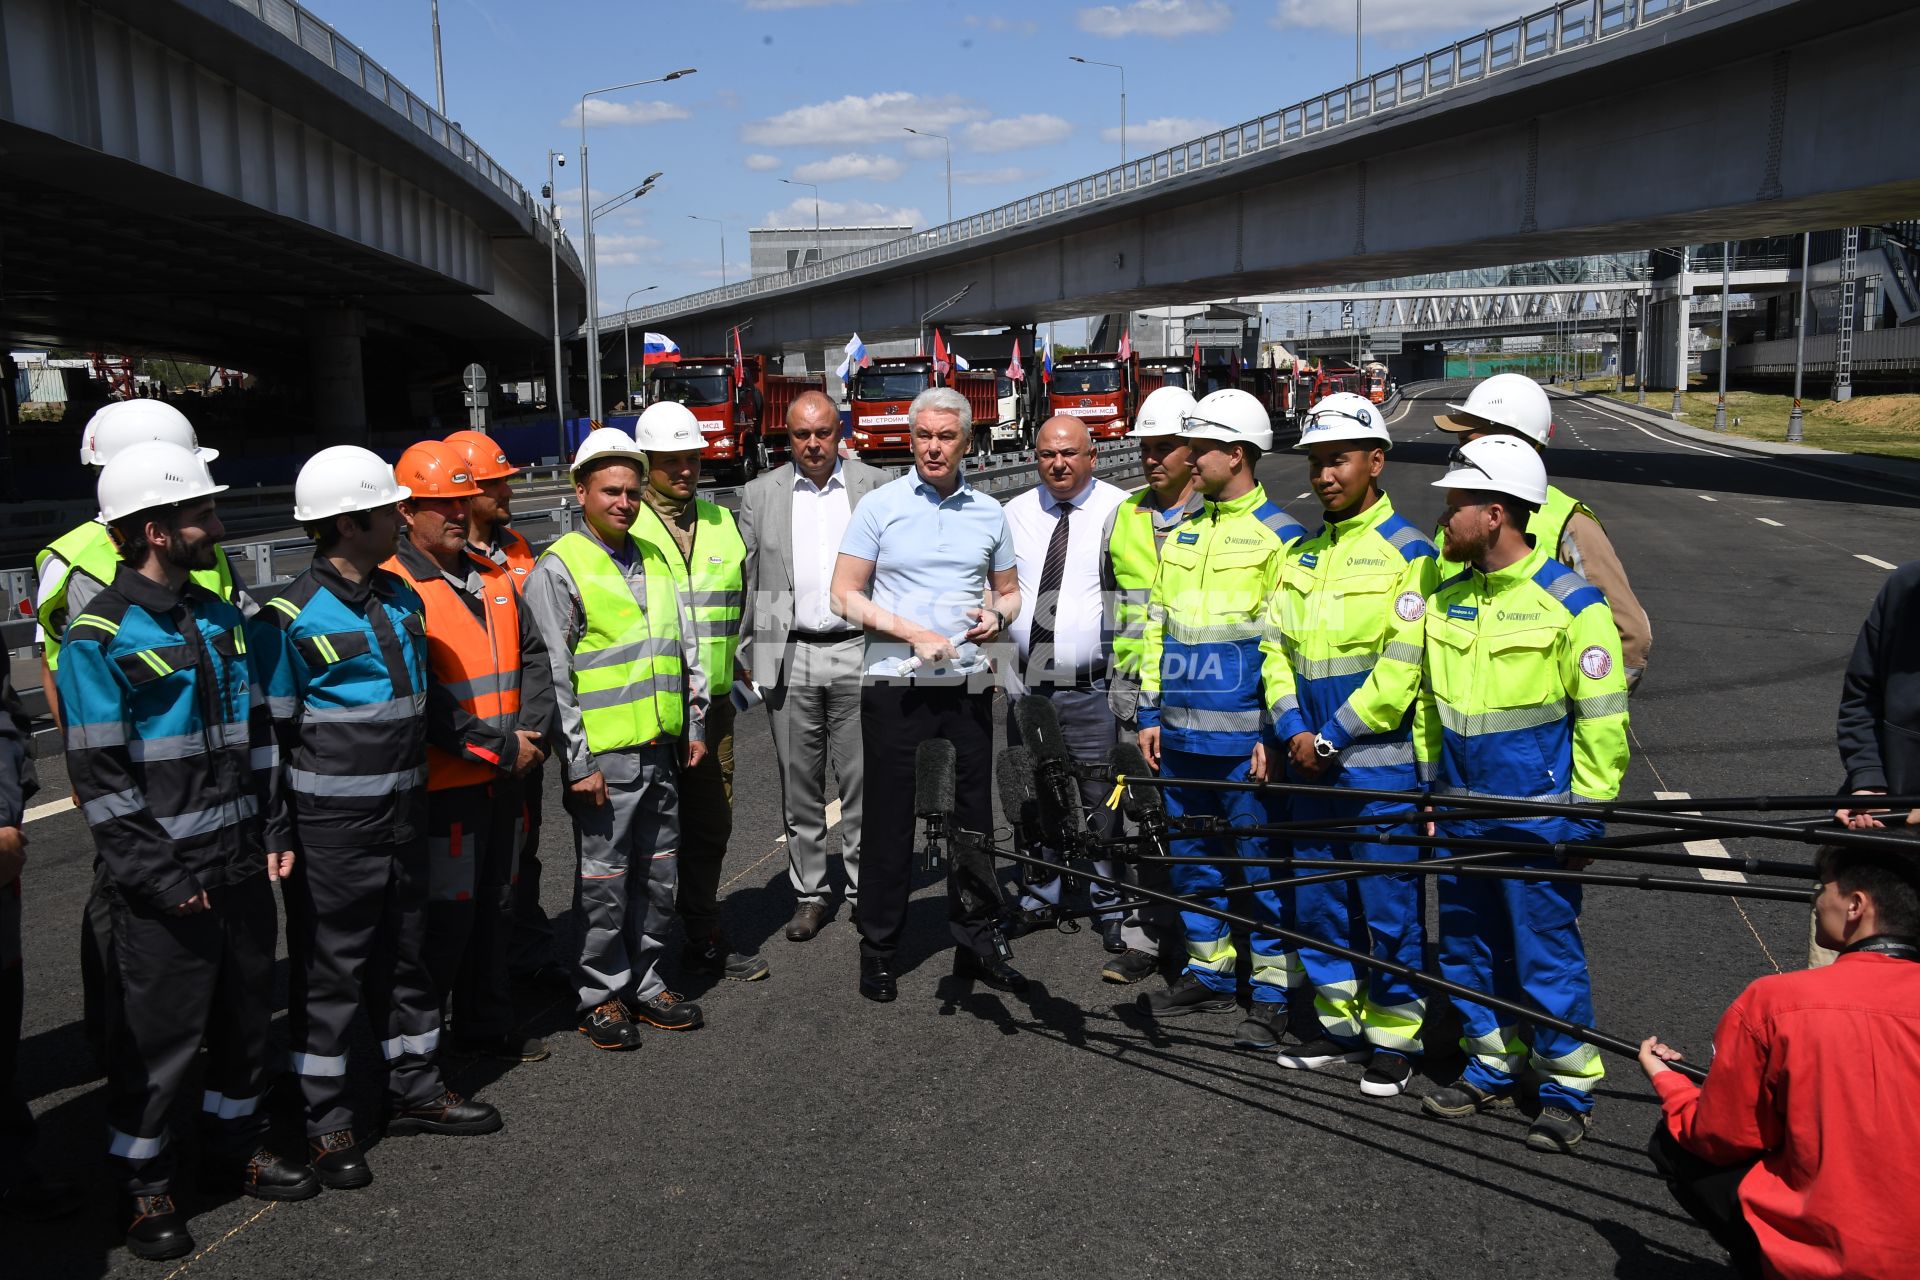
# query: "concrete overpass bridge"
x,y
234,181
1591,127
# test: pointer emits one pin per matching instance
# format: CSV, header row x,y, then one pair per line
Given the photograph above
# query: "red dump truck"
x,y
1165,371
745,426
878,398
1098,389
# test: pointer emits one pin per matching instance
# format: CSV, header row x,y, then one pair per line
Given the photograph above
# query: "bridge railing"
x,y
1552,31
347,59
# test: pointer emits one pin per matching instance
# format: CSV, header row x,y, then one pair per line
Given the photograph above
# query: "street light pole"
x,y
1090,62
723,241
439,75
1358,74
557,396
1796,426
1726,287
949,145
818,250
626,331
1682,315
586,219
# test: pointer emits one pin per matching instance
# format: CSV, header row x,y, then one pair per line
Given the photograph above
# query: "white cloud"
x,y
1162,131
996,177
843,213
773,5
852,164
621,250
1383,17
1162,18
1011,133
873,118
999,25
760,162
602,112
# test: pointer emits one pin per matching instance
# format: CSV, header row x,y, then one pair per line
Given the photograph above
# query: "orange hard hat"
x,y
484,456
435,469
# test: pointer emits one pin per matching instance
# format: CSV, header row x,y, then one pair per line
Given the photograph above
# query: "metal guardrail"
x,y
347,59
1523,42
268,564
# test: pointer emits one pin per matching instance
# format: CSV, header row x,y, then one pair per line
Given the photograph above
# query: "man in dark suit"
x,y
806,658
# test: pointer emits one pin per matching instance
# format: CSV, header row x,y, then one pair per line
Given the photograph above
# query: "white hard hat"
x,y
152,473
1510,400
343,478
1497,464
608,442
1343,415
115,426
1161,413
667,426
1231,415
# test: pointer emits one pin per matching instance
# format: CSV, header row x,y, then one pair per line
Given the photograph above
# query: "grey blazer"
x,y
766,525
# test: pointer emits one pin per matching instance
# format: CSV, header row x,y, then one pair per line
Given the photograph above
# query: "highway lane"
x,y
961,1131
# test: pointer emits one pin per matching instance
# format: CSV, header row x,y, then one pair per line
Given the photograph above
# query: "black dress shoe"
x,y
1023,921
448,1114
338,1161
991,970
1112,939
877,980
267,1176
155,1228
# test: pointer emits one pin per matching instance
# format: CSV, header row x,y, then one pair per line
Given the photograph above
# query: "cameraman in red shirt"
x,y
1801,1152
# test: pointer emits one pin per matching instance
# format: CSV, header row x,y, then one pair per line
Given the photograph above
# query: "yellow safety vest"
x,y
714,585
627,675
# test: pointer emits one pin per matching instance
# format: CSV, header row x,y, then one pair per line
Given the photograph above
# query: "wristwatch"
x,y
1324,749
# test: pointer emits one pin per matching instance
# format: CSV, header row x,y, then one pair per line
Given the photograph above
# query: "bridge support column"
x,y
339,376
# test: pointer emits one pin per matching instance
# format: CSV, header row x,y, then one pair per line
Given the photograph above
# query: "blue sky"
x,y
822,90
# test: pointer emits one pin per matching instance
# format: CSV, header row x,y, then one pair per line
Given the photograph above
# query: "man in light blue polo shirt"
x,y
927,569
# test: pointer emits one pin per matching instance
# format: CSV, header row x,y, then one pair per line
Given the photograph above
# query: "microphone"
x,y
1145,805
1013,769
934,767
1056,791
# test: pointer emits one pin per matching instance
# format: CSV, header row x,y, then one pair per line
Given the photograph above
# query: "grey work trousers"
x,y
629,870
1090,730
815,714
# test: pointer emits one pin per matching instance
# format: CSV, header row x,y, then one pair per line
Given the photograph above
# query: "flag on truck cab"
x,y
658,348
1046,360
739,362
1126,346
857,358
1014,370
1196,360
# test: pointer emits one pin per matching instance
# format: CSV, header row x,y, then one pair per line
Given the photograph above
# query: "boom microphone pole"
x,y
934,765
1589,1035
1056,789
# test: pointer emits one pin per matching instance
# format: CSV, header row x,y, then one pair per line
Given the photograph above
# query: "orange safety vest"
x,y
477,660
519,554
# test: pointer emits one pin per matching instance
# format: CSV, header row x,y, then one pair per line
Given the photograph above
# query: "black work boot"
x,y
268,1176
338,1161
156,1230
1187,994
448,1114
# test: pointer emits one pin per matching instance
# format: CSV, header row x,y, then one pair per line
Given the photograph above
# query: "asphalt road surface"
x,y
961,1132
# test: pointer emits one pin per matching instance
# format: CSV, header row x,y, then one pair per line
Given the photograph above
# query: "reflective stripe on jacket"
x,y
1200,665
712,580
627,674
1525,694
475,660
1344,639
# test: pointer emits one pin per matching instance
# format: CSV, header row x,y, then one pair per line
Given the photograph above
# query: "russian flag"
x,y
1046,360
658,348
856,357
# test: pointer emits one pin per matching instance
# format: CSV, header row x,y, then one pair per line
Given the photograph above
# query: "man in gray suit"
x,y
807,659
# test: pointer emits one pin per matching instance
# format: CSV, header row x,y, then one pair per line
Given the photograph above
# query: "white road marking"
x,y
1775,523
1876,561
1704,498
1664,480
40,811
1705,848
1588,404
